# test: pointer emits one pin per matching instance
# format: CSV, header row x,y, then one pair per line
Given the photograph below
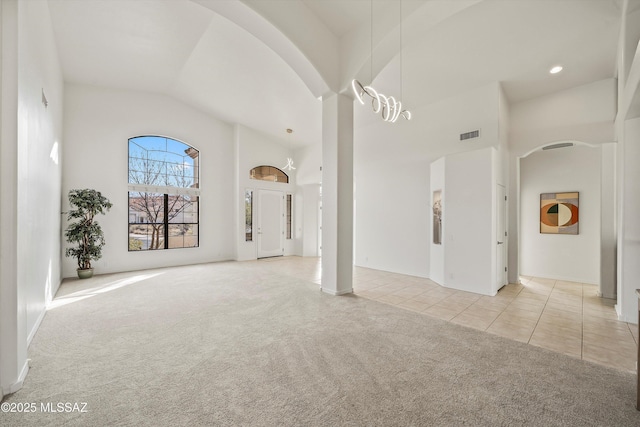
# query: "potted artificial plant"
x,y
85,232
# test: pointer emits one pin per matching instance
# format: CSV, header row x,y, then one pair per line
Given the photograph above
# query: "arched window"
x,y
268,173
164,182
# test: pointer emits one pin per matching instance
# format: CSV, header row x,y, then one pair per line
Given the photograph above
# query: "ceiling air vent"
x,y
469,135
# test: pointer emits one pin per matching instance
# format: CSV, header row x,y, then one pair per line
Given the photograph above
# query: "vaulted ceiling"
x,y
210,53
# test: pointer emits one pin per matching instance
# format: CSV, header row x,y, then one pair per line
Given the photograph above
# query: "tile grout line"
x,y
504,309
631,332
543,309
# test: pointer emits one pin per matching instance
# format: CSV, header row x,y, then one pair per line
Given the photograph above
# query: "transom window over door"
x,y
269,173
164,193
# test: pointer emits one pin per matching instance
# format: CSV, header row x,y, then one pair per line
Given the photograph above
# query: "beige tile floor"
x,y
561,316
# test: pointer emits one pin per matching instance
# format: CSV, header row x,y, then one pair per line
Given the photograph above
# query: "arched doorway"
x,y
584,257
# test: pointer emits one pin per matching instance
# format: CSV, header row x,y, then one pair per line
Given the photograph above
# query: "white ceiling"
x,y
187,51
340,16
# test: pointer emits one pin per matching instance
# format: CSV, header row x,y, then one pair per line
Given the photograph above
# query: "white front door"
x,y
270,223
501,237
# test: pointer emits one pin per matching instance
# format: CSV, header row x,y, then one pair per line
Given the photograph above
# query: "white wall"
x,y
98,124
574,258
436,253
628,43
309,180
309,163
39,168
310,219
30,164
504,124
469,218
257,149
433,132
13,338
393,218
584,113
392,173
629,235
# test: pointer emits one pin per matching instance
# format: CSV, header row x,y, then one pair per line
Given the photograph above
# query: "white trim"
x,y
618,309
36,326
561,141
12,388
561,278
164,189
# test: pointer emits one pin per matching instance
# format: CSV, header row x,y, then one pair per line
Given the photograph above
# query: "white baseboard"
x,y
562,278
332,292
12,388
36,326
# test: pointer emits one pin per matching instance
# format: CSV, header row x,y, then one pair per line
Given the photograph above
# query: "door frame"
x,y
501,237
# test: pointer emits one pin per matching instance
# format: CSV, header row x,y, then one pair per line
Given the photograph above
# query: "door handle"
x,y
500,243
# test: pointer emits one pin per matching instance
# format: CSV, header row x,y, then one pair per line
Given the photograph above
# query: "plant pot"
x,y
85,274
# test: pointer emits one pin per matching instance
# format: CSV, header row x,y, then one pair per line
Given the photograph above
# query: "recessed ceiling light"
x,y
556,69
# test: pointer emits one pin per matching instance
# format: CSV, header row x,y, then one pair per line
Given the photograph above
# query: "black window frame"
x,y
165,218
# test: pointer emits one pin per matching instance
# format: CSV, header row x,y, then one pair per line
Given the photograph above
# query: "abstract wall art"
x,y
559,213
437,217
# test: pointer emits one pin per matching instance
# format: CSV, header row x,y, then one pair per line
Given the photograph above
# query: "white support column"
x,y
13,336
608,236
337,194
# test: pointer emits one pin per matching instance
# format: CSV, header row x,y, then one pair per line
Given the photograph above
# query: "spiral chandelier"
x,y
390,109
388,106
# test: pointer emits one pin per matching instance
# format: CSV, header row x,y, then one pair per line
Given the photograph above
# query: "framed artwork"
x,y
437,217
559,213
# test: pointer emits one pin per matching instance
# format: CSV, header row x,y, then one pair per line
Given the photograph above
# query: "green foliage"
x,y
135,244
85,231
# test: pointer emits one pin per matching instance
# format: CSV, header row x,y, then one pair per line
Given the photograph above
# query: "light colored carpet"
x,y
244,344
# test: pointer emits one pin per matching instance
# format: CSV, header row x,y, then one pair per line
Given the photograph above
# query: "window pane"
x,y
146,208
196,174
144,237
190,208
175,208
135,176
182,208
183,236
155,160
268,173
192,236
248,215
162,162
149,143
289,222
